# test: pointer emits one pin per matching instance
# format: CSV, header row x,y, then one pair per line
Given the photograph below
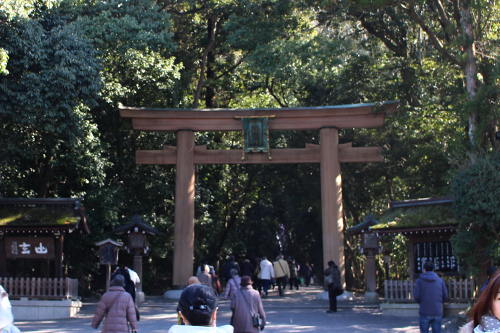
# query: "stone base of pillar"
x,y
372,297
140,297
172,294
346,296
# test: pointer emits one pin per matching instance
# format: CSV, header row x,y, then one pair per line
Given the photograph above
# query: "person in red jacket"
x,y
118,307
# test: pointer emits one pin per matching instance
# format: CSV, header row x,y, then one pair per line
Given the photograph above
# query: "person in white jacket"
x,y
6,317
266,274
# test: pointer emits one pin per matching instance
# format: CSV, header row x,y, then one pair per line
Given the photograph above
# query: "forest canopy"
x,y
66,66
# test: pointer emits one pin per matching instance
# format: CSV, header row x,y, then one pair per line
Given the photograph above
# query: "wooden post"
x,y
108,276
59,256
331,200
3,259
184,209
138,270
411,257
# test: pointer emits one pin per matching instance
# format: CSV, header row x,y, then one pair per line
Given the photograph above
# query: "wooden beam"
x,y
307,118
310,154
280,124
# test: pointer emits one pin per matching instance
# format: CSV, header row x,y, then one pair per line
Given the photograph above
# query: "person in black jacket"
x,y
129,284
228,266
247,268
334,288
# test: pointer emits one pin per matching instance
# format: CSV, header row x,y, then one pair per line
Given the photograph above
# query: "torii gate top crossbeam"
x,y
303,118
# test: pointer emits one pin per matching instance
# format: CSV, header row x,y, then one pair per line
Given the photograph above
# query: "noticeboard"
x,y
440,253
29,248
108,254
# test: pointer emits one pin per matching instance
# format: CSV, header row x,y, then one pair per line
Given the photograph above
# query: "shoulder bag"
x,y
256,318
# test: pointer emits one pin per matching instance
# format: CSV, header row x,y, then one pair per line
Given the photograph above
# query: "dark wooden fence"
x,y
38,288
459,290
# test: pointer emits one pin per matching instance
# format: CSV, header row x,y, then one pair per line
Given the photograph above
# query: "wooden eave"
x,y
417,230
303,118
137,222
32,228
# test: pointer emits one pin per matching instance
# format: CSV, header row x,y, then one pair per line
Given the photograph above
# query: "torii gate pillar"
x,y
184,209
331,199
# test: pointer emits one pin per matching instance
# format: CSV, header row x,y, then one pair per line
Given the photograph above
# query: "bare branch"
x,y
380,35
410,10
201,81
270,88
226,72
444,16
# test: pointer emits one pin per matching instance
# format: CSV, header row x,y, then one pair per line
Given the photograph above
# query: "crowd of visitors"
x,y
198,305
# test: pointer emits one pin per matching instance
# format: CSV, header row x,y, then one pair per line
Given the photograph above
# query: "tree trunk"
x,y
469,67
212,27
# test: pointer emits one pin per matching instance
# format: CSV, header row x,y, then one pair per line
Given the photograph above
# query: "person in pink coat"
x,y
246,302
118,307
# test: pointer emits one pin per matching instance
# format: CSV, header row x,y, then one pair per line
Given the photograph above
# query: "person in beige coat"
x,y
485,314
242,320
118,307
281,273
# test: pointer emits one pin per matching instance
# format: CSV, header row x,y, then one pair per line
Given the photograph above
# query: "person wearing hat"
x,y
118,307
244,303
6,317
198,308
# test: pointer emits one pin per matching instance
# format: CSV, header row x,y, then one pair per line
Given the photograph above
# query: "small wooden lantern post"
x,y
138,231
108,255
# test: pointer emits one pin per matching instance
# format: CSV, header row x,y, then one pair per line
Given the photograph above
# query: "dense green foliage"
x,y
65,69
477,190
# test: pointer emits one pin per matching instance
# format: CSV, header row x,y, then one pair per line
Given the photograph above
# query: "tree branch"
x,y
410,10
270,88
444,16
380,35
201,81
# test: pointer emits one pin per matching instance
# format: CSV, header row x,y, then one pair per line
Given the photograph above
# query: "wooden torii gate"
x,y
328,120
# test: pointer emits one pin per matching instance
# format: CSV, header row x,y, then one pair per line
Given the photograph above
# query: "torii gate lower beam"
x,y
329,153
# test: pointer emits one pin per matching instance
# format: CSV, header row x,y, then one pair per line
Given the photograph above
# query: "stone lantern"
x,y
108,255
137,232
369,247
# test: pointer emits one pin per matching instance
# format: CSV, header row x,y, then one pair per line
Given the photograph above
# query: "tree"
x,y
53,79
462,34
476,192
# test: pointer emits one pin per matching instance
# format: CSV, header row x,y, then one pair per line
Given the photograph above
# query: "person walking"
x,y
281,273
245,303
205,278
305,273
294,276
129,284
247,268
430,293
256,276
266,274
233,285
118,307
333,285
198,309
228,266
